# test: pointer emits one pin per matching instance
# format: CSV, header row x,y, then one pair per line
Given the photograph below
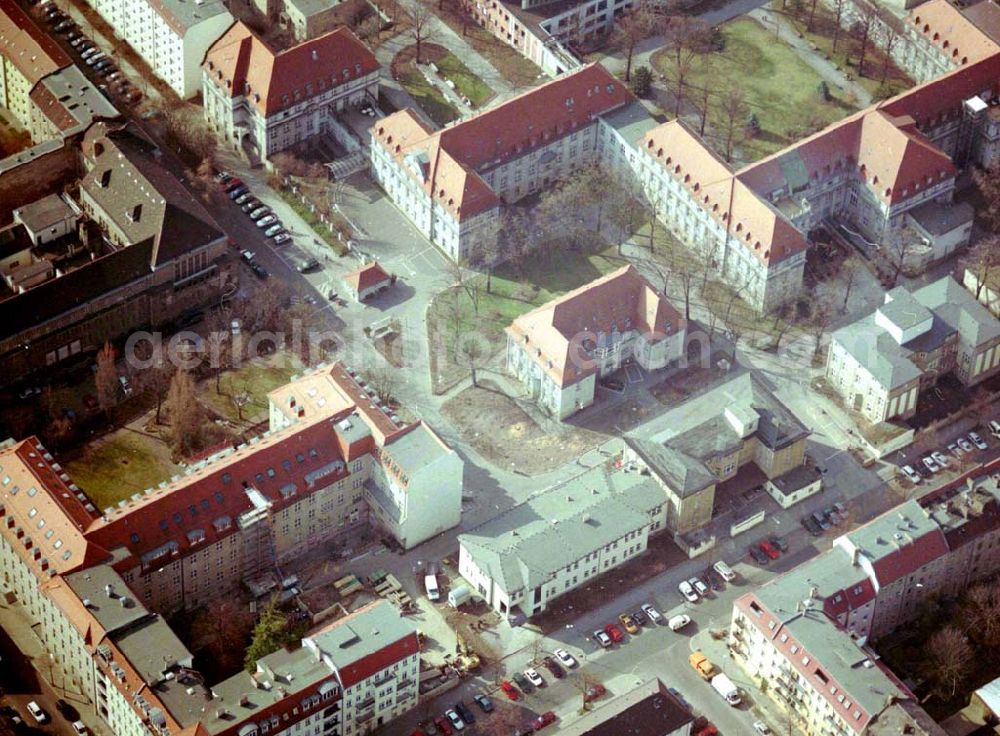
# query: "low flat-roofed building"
x,y
557,540
647,710
945,227
48,218
706,440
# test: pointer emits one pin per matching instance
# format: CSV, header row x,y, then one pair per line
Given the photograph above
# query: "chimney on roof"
x,y
854,556
315,55
813,592
109,589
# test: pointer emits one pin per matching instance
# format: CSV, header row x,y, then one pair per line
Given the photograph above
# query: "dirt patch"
x,y
502,432
681,386
391,347
660,556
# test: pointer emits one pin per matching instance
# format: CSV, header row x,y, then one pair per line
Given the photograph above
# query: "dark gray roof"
x,y
647,710
939,219
632,122
684,474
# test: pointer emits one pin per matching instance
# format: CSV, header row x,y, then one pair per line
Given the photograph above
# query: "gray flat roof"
x,y
955,306
111,612
416,449
526,544
939,219
632,122
361,634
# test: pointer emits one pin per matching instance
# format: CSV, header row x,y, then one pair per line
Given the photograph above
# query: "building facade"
x,y
171,36
881,363
267,101
561,349
522,560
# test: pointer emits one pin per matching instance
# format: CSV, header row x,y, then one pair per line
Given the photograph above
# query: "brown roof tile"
x,y
944,26
242,63
367,276
32,51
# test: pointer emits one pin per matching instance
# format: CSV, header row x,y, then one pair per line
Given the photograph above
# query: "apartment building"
x,y
27,55
137,251
409,479
807,632
452,183
171,36
704,441
561,349
266,101
525,558
880,363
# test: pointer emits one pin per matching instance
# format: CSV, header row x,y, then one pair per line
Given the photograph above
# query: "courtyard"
x,y
779,87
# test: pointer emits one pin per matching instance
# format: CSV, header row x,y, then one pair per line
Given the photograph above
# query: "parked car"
x,y
443,726
37,713
126,386
759,557
67,711
266,220
79,728
615,633
231,183
678,622
769,549
978,441
533,677
687,591
964,444
780,544
821,519
509,690
931,464
484,703
552,666
91,60
89,51
63,25
259,212
594,692
761,729
653,614
243,198
955,450
940,459
613,383
463,710
628,623
259,271
715,581
242,189
250,204
543,720
699,586
602,638
640,618
725,571
523,682
275,229
307,264
79,41
454,719
911,474
995,428
565,657
282,238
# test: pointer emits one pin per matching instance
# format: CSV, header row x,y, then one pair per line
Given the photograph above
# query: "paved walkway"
x,y
826,69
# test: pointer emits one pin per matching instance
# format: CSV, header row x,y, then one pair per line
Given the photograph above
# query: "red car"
x,y
594,692
232,184
769,549
543,720
443,726
509,690
615,633
418,732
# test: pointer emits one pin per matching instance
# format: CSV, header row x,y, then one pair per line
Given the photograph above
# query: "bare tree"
x,y
685,39
850,269
155,379
982,260
187,417
892,31
223,627
948,654
734,109
380,376
420,27
897,250
466,281
471,348
988,182
982,614
838,10
107,378
635,26
864,27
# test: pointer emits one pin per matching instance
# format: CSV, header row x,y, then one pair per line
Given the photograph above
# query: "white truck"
x,y
459,596
725,687
431,584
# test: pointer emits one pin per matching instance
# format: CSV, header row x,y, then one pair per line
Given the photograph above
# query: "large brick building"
x,y
101,580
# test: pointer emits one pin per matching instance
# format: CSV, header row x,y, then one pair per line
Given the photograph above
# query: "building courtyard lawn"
x,y
512,293
257,378
120,464
779,87
467,84
431,101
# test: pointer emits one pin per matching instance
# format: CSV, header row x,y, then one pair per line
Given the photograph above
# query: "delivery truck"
x,y
725,687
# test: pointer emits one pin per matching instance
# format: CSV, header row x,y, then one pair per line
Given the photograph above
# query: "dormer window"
x,y
346,73
106,179
135,213
357,68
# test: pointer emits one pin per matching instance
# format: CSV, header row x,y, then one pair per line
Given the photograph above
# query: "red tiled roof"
x,y
278,80
854,596
553,333
944,26
32,51
711,183
450,158
929,103
367,276
909,557
295,457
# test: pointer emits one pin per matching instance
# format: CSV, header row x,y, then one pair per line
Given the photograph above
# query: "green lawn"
x,y
848,50
313,221
778,86
466,83
119,465
257,378
431,100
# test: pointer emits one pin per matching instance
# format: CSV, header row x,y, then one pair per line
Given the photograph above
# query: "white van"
x,y
431,584
725,571
995,428
678,622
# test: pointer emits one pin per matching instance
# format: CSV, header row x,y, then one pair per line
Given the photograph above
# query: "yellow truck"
x,y
702,665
